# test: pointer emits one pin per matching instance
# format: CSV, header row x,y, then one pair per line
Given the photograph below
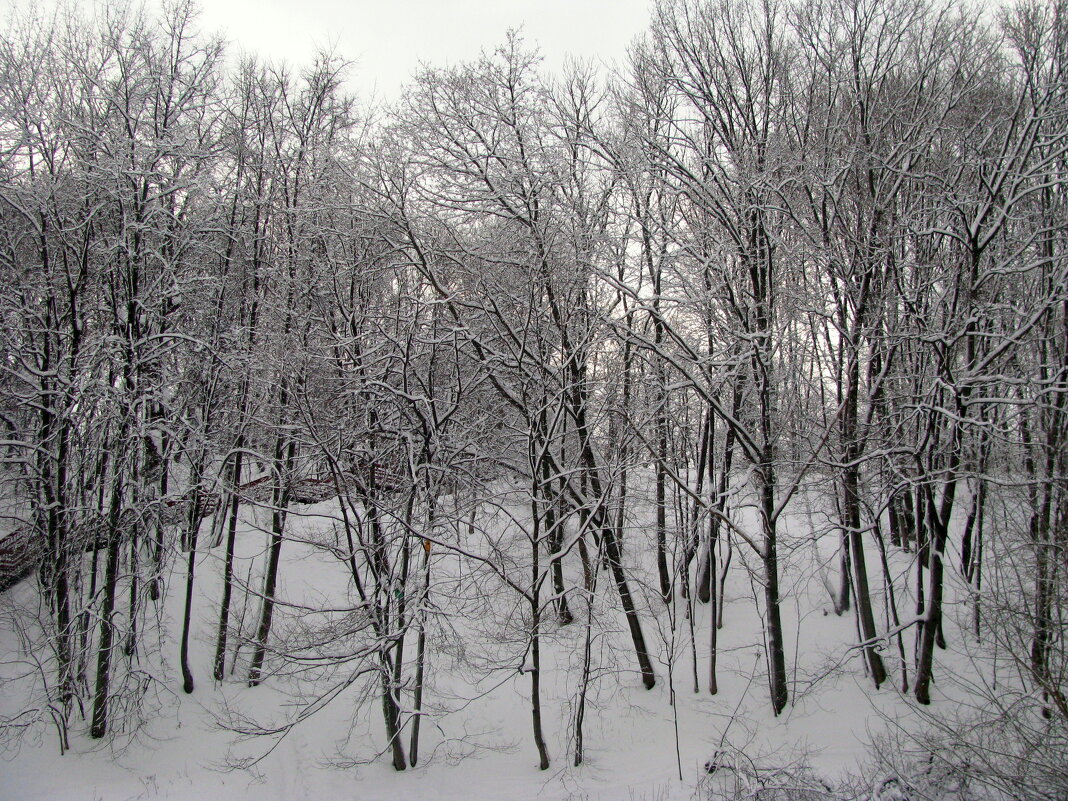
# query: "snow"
x,y
476,736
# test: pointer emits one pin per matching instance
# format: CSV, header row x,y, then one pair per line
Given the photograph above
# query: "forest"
x,y
603,388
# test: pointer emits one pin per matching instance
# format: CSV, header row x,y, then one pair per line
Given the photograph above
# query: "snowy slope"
x,y
476,738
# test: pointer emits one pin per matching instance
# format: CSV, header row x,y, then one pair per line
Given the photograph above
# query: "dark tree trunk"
x,y
776,646
280,503
661,504
191,536
611,545
851,519
554,541
535,638
99,726
420,659
938,521
841,598
590,572
231,509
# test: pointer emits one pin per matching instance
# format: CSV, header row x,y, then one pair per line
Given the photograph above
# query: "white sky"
x,y
387,39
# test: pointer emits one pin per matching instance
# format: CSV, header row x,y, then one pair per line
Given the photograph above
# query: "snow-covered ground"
x,y
476,737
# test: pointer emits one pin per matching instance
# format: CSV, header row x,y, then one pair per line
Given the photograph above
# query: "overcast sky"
x,y
387,39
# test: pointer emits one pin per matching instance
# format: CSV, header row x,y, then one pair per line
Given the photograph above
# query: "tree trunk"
x,y
192,531
554,540
932,617
612,548
776,647
99,725
280,503
535,639
420,659
231,509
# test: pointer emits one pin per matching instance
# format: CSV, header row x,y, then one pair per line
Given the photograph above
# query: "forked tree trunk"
x,y
932,616
851,519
